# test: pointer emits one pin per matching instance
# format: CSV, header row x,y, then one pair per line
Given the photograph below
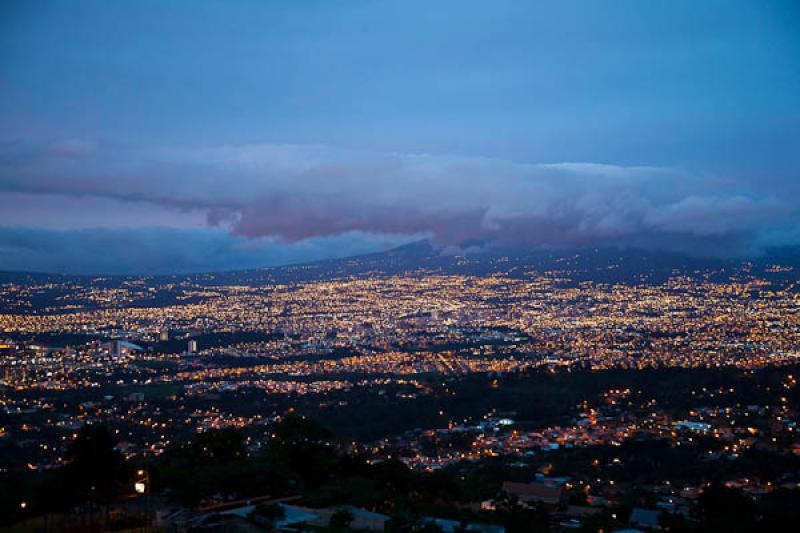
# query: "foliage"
x,y
724,509
341,519
95,471
268,512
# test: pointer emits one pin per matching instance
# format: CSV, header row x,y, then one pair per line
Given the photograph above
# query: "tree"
x,y
341,519
95,470
431,527
462,527
724,509
295,430
677,523
267,513
220,446
525,520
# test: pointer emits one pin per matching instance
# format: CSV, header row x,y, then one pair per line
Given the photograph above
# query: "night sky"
x,y
153,137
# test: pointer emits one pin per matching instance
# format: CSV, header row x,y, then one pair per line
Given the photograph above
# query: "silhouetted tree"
x,y
295,430
724,509
430,527
95,470
341,519
267,513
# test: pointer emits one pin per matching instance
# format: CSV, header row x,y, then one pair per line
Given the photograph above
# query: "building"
x,y
549,494
122,347
453,526
648,518
7,348
363,520
134,397
192,347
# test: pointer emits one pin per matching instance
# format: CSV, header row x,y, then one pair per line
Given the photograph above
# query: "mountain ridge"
x,y
420,256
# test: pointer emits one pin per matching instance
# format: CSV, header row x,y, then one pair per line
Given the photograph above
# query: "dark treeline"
x,y
304,458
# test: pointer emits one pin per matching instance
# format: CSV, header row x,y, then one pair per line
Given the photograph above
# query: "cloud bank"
x,y
160,250
291,194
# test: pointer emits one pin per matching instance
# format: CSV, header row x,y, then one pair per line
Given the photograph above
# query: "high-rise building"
x,y
192,346
164,335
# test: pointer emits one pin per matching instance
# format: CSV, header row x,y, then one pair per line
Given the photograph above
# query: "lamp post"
x,y
141,486
142,481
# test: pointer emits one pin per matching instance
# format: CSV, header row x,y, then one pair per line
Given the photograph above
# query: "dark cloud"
x,y
292,193
165,250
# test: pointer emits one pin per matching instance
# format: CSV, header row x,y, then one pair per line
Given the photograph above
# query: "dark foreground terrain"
x,y
698,450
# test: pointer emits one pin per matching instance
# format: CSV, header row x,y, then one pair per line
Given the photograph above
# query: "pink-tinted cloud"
x,y
297,192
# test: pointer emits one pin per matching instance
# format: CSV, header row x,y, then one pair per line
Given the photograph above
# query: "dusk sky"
x,y
152,137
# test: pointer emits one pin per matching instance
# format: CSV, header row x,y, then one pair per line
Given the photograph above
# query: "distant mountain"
x,y
589,264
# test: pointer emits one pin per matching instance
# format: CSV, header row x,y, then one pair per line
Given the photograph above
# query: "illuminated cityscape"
x,y
400,266
219,355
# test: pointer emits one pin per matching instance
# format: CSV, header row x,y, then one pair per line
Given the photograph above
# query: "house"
x,y
234,516
645,517
581,511
451,526
294,516
527,493
367,520
134,397
363,520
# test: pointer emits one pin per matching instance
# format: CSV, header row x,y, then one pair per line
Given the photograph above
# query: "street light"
x,y
141,482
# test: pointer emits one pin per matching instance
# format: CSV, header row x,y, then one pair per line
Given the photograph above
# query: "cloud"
x,y
293,193
701,216
72,148
154,250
